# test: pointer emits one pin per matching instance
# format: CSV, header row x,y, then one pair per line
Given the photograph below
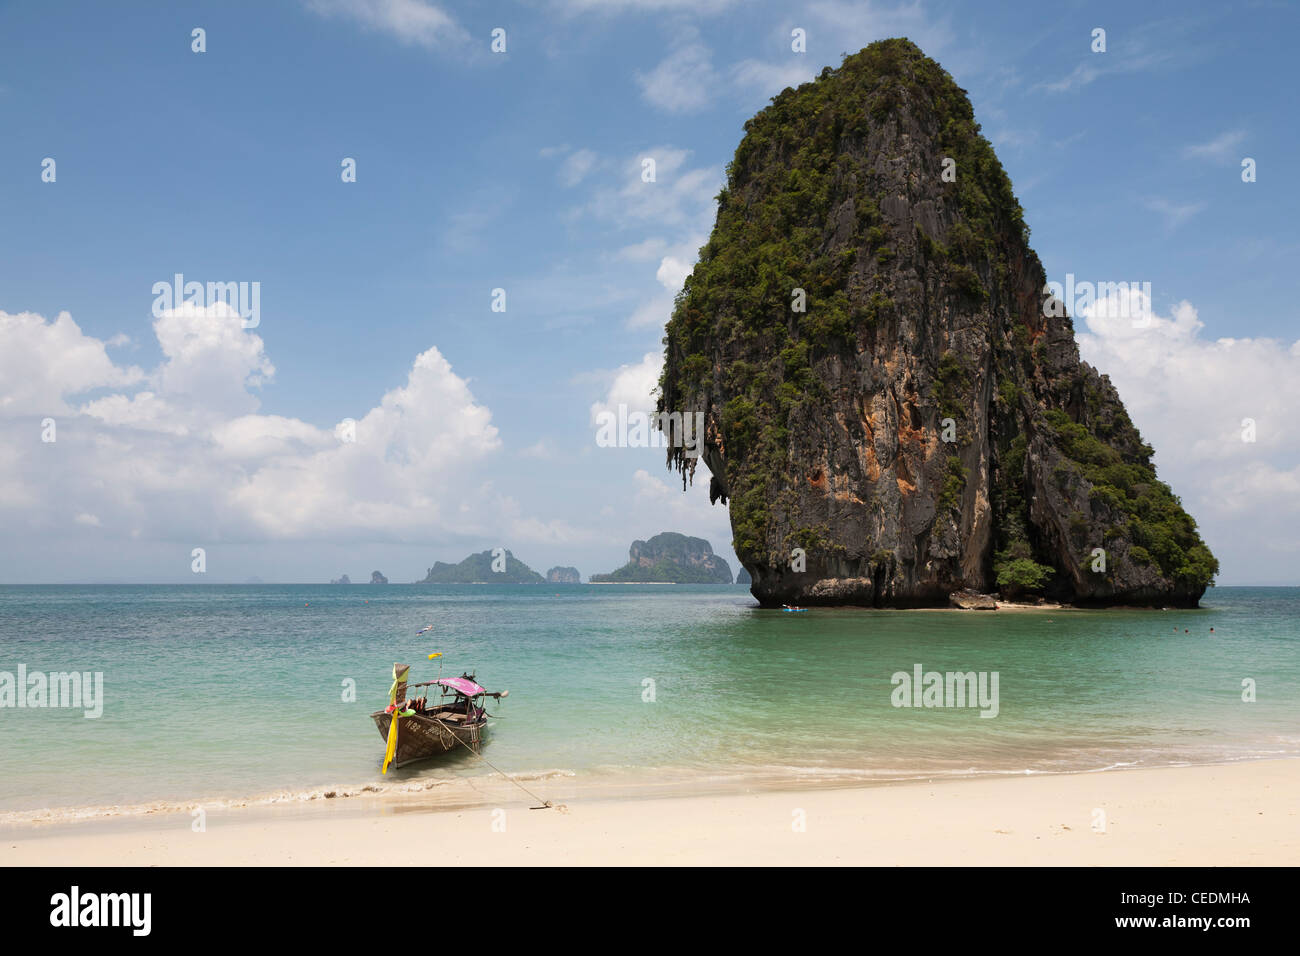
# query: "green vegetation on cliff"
x,y
1162,533
482,568
671,558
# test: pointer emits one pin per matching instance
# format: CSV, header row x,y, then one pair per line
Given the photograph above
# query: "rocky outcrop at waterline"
x,y
893,411
973,601
563,575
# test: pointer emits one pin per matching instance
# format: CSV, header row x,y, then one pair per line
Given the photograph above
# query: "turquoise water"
x,y
225,691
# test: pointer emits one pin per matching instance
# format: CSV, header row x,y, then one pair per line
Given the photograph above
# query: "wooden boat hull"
x,y
421,737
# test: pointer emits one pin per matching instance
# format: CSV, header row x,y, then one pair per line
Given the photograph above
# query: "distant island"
x,y
343,580
742,577
670,558
377,578
560,575
479,569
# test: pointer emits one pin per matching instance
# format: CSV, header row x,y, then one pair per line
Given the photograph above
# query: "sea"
x,y
261,694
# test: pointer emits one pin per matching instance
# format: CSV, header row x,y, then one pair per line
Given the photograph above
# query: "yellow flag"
x,y
392,742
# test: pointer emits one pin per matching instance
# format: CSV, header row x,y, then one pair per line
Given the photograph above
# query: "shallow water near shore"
x,y
236,694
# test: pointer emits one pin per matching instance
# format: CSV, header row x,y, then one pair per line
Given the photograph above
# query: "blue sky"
x,y
521,170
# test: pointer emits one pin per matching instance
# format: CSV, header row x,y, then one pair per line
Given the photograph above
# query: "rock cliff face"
x,y
671,558
894,409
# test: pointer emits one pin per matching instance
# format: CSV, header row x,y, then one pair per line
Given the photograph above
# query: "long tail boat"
x,y
456,717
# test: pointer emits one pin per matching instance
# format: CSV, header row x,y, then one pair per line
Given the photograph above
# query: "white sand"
x,y
1237,814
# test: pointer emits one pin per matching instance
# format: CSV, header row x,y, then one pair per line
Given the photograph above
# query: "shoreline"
x,y
1246,812
467,790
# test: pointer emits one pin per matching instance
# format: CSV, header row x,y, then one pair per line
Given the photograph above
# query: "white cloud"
x,y
632,385
40,363
576,166
542,450
688,512
680,202
210,354
1220,149
210,364
1144,49
143,410
405,470
1256,485
652,313
683,81
770,78
635,386
189,456
1189,396
1197,390
1080,76
679,197
672,273
414,22
643,251
1010,138
556,532
676,261
1174,214
260,437
686,81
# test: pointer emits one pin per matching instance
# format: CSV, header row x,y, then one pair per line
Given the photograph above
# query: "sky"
x,y
135,430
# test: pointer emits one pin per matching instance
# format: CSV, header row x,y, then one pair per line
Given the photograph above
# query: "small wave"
x,y
274,798
607,781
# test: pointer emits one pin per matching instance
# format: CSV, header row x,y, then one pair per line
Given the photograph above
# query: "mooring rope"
x,y
545,804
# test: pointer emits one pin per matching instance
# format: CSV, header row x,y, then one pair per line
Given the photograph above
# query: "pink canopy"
x,y
462,684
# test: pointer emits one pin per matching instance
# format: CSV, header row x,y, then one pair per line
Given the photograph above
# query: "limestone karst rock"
x,y
494,566
671,558
894,410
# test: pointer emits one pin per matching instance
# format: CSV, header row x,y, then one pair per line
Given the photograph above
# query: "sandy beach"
x,y
1237,814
